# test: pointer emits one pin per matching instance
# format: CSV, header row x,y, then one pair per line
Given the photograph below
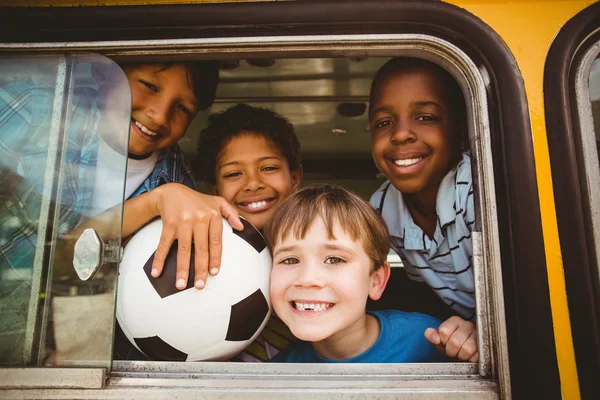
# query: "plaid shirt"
x,y
25,119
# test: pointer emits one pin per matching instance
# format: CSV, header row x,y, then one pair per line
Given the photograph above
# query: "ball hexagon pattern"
x,y
214,323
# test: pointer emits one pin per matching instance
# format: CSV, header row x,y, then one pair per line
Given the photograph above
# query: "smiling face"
x,y
413,131
320,285
254,176
163,106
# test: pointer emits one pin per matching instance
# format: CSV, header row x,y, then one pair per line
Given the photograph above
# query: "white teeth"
x,y
312,306
145,130
257,204
408,162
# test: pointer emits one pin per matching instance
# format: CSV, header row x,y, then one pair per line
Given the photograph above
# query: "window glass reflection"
x,y
55,121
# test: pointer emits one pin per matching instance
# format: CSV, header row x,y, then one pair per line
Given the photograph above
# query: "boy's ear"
x,y
212,189
379,280
297,177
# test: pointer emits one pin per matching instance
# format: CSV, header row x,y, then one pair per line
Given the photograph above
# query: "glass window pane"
x,y
64,128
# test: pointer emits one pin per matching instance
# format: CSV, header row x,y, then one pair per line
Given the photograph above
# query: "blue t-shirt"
x,y
401,341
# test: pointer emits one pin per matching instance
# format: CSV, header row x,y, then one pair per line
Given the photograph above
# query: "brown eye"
x,y
334,260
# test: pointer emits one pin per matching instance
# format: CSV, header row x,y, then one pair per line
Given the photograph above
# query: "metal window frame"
x,y
492,334
587,144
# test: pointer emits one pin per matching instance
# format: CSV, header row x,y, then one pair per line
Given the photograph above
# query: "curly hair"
x,y
242,118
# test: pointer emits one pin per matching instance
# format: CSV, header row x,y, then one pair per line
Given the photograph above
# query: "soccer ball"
x,y
214,323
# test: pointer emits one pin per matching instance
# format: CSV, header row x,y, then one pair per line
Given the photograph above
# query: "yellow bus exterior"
x,y
528,28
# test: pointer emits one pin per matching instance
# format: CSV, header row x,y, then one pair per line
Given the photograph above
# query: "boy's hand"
x,y
456,338
194,220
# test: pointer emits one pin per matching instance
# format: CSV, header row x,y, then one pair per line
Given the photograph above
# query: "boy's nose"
x,y
160,112
254,181
403,133
309,276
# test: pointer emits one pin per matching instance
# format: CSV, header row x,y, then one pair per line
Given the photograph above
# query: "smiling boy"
x,y
329,255
417,120
250,156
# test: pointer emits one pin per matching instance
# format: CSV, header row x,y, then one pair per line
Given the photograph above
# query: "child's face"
x,y
254,176
163,106
319,286
413,131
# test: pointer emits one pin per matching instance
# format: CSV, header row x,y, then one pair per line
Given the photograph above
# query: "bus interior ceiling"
x,y
326,99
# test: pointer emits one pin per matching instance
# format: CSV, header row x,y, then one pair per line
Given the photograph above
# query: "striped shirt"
x,y
444,261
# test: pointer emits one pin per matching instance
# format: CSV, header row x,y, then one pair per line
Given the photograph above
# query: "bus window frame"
x,y
486,258
587,148
532,349
563,126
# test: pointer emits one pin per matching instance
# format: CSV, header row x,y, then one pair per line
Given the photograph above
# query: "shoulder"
x,y
415,319
403,335
378,195
463,170
28,98
381,195
464,187
406,333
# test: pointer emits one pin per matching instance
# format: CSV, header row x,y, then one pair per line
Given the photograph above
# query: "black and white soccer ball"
x,y
214,323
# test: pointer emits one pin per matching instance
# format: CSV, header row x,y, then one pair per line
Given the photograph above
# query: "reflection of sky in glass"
x,y
595,80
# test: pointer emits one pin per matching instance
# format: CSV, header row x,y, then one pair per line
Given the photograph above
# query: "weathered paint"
x,y
70,3
539,22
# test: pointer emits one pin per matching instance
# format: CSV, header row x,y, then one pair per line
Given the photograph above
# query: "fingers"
x,y
184,251
164,245
459,338
432,335
201,249
215,236
230,214
474,357
468,350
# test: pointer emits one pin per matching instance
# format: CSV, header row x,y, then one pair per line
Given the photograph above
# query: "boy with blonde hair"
x,y
329,255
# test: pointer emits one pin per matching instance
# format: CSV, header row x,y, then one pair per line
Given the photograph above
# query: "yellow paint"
x,y
528,28
69,3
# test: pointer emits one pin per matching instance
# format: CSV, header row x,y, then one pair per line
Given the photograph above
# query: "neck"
x,y
422,208
350,342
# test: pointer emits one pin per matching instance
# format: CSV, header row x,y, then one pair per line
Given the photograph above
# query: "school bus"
x,y
530,74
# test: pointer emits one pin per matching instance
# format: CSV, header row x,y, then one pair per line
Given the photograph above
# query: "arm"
x,y
455,337
188,217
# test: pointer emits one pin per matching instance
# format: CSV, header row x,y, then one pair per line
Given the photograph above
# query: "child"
x,y
164,100
417,119
251,157
329,254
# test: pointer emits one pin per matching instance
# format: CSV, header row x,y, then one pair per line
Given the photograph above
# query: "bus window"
x,y
572,108
587,95
326,99
58,139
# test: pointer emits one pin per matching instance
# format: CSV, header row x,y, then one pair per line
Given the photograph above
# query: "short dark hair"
x,y
453,90
202,78
333,204
242,118
205,77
